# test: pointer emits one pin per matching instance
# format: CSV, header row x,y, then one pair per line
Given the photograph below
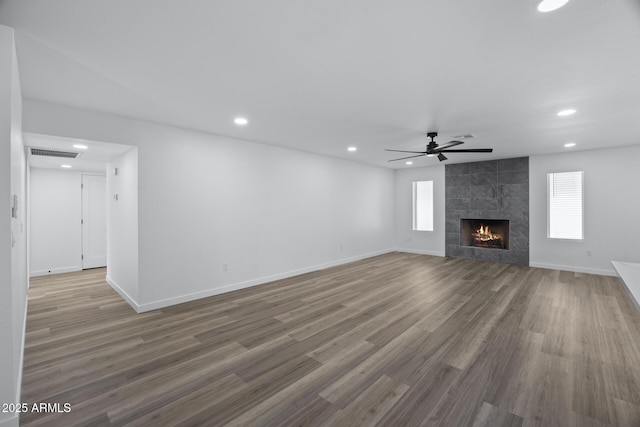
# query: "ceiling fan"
x,y
434,149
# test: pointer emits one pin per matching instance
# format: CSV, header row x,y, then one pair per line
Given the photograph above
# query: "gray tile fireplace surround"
x,y
495,189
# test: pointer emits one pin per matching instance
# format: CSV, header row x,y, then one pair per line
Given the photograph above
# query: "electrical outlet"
x,y
225,267
341,246
589,253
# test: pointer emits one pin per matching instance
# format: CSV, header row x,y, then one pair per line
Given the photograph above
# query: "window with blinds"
x,y
423,205
565,207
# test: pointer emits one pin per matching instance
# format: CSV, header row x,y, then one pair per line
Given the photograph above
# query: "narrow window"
x,y
423,205
565,212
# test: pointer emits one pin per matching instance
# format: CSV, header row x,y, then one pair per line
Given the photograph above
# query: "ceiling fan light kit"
x,y
434,149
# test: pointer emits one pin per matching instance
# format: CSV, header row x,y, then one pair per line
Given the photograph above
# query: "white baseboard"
x,y
133,303
55,271
241,285
11,421
599,271
420,252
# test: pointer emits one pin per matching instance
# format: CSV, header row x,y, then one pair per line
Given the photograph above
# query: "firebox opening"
x,y
485,233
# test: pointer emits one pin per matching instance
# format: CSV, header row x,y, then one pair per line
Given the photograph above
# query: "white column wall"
x,y
13,242
122,225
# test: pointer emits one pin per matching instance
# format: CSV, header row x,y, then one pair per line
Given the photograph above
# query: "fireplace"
x,y
494,189
484,233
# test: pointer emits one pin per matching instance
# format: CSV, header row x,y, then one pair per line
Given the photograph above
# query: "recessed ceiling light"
x,y
240,121
352,149
80,146
66,166
551,5
409,163
566,112
570,144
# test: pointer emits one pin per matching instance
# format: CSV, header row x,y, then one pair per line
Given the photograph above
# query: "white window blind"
x,y
565,217
423,205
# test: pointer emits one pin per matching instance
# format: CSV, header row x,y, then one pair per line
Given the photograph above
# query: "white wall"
x,y
122,225
56,211
426,242
206,200
263,211
611,210
13,255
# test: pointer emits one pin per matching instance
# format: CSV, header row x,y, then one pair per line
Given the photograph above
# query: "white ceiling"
x,y
322,75
92,159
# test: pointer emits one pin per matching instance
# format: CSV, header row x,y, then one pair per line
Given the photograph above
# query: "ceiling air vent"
x,y
53,153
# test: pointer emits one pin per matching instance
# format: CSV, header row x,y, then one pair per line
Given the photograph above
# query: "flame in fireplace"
x,y
484,234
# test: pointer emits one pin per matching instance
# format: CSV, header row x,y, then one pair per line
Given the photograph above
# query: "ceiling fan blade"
x,y
447,145
402,151
410,157
470,150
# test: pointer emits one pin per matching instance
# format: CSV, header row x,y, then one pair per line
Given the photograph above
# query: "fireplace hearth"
x,y
484,233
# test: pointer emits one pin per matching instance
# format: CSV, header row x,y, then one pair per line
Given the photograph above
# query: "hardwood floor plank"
x,y
628,413
350,385
421,398
239,403
313,413
490,416
299,392
442,313
181,409
105,361
371,405
589,391
152,383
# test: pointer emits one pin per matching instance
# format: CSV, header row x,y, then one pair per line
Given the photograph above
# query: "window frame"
x,y
548,189
415,206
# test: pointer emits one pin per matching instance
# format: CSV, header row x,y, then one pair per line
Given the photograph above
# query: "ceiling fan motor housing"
x,y
432,144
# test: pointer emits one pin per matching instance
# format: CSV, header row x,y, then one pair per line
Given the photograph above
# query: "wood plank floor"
x,y
394,340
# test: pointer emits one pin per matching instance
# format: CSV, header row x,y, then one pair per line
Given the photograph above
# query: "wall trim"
x,y
575,269
123,294
55,271
249,283
420,252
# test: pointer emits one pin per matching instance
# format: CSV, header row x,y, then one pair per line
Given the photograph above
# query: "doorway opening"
x,y
67,208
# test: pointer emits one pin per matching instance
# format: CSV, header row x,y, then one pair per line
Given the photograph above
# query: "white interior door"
x,y
94,221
